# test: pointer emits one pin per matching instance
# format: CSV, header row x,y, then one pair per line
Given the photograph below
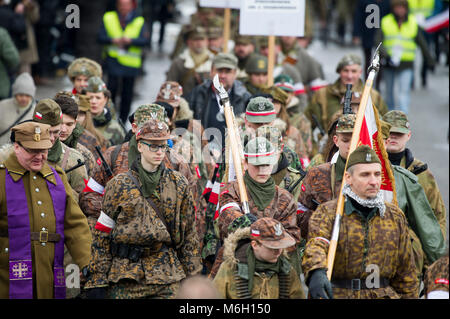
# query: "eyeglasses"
x,y
156,147
33,151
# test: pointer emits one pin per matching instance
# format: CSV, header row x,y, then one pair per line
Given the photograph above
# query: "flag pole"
x,y
373,69
226,29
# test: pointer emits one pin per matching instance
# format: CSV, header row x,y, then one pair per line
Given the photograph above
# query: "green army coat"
x,y
136,222
76,231
381,241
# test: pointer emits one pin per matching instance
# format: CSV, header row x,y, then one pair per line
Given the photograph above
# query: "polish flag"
x,y
38,115
93,186
370,135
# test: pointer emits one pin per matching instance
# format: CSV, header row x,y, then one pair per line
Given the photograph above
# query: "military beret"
x,y
148,112
33,135
260,110
95,85
348,59
153,130
256,64
259,151
271,233
225,60
47,111
346,123
398,120
363,154
84,66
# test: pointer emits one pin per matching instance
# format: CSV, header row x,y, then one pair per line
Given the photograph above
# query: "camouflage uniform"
x,y
399,123
169,253
436,277
233,276
362,242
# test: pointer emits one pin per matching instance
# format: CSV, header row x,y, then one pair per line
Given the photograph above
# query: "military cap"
x,y
195,33
363,154
215,27
153,130
83,103
65,93
170,91
277,94
259,151
256,64
148,112
271,233
263,41
260,110
398,120
225,60
33,135
272,134
346,123
385,129
95,85
47,111
348,59
243,39
284,82
84,66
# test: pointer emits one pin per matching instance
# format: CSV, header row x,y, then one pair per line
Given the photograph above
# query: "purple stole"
x,y
20,261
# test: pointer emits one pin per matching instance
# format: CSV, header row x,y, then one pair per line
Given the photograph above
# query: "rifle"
x,y
348,100
80,163
229,118
105,165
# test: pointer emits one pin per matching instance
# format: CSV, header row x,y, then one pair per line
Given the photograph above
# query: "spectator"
x,y
9,60
19,107
14,23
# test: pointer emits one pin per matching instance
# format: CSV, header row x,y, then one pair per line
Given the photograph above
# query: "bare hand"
x,y
20,8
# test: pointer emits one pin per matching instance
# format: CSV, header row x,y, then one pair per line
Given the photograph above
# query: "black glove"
x,y
319,285
96,293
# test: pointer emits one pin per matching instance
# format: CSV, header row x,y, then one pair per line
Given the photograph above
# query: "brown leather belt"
x,y
43,236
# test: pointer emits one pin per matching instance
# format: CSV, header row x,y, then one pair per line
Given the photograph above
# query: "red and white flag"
x,y
370,134
93,186
436,23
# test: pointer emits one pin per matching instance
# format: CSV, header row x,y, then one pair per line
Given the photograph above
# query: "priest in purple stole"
x,y
38,215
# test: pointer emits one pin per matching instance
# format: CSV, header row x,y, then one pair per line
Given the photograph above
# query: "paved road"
x,y
429,111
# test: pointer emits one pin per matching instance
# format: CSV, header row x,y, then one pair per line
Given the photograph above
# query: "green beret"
x,y
47,111
259,151
363,154
260,110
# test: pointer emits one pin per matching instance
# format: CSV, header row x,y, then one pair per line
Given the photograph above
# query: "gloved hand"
x,y
241,222
319,285
96,293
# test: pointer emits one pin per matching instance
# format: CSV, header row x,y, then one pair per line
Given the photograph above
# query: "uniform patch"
x,y
105,223
303,188
442,281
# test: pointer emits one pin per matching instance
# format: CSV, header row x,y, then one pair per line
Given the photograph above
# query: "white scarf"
x,y
378,201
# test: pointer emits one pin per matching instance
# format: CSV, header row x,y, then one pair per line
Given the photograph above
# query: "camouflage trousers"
x,y
131,289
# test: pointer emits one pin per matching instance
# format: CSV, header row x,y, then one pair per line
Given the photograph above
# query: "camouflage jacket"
x,y
109,127
428,182
303,125
283,208
135,222
436,277
266,285
363,243
318,186
91,202
89,159
90,141
326,101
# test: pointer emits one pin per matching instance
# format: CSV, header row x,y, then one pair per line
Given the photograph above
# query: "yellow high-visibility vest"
x,y
132,57
402,38
423,7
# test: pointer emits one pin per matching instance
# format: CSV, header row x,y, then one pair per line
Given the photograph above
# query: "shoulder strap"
x,y
158,212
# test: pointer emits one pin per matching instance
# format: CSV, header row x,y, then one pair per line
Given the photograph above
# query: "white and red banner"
x,y
436,23
370,135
